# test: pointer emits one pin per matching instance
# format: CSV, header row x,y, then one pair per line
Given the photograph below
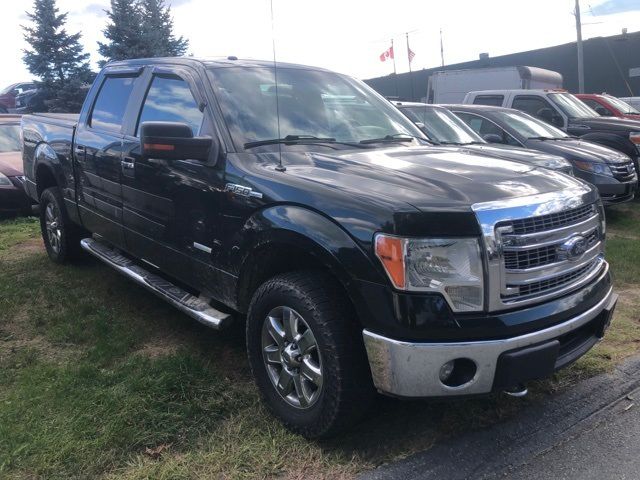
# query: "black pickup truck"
x,y
360,255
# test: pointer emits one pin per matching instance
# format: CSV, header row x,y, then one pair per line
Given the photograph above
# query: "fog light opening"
x,y
458,372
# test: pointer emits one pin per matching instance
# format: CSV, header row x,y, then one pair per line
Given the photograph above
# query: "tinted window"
x,y
492,100
170,100
592,103
441,125
483,127
310,102
9,138
532,105
108,111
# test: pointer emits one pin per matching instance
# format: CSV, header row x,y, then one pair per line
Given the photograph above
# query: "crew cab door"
x,y
171,207
98,154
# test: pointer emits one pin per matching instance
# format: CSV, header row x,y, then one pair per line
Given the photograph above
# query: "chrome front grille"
x,y
623,172
547,222
542,246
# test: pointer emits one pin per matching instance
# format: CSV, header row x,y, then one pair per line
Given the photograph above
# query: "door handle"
x,y
80,149
127,163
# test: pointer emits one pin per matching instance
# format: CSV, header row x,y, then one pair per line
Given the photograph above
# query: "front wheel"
x,y
61,237
306,354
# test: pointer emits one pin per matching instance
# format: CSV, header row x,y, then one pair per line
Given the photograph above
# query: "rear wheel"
x,y
306,354
61,237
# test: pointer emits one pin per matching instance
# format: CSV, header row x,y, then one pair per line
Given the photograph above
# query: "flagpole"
x,y
410,75
395,76
441,48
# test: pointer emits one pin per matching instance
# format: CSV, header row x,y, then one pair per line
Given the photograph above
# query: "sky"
x,y
342,35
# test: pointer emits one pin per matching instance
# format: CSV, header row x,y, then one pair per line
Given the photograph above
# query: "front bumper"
x,y
611,190
410,369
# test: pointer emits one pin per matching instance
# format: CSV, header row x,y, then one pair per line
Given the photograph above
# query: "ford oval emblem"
x,y
573,248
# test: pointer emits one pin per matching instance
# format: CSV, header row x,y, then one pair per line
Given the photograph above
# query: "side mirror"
x,y
422,128
173,141
492,138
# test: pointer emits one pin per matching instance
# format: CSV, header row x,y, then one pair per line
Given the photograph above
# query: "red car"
x,y
8,94
13,199
609,106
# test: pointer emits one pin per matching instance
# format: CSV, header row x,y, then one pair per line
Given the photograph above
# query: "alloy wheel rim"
x,y
292,358
52,224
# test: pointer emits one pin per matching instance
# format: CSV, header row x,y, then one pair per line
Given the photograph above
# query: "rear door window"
x,y
532,105
491,100
111,103
169,99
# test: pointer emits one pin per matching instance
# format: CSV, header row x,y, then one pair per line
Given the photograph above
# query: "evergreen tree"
x,y
124,32
140,29
157,28
56,57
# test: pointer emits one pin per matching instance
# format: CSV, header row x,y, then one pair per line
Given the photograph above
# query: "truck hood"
x,y
574,149
429,178
606,123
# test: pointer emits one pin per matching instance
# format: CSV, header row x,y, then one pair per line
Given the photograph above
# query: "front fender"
x,y
612,140
302,228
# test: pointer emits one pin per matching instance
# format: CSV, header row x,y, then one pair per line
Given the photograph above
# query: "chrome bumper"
x,y
409,369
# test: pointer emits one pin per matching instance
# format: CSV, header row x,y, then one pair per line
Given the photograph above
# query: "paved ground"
x,y
591,431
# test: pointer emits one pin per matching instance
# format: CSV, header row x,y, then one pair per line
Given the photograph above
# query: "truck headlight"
x,y
593,167
450,266
4,181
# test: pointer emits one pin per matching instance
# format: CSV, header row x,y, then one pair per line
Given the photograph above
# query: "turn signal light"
x,y
390,251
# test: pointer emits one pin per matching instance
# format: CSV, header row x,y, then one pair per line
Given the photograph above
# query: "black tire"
x,y
347,389
63,245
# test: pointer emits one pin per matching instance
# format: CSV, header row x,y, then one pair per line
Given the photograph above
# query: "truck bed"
x,y
67,119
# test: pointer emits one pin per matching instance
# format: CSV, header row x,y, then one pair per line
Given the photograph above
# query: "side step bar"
x,y
193,306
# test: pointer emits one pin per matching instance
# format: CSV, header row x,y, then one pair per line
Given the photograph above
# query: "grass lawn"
x,y
100,379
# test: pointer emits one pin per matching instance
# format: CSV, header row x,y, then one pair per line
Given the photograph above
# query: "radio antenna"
x,y
280,167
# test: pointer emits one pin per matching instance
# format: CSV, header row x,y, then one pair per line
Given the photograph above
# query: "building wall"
x,y
607,64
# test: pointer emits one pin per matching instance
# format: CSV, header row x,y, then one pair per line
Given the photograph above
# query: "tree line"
x,y
135,29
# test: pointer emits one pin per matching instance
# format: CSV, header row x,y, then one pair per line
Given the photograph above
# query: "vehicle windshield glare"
x,y
528,126
442,126
572,106
9,138
311,103
624,107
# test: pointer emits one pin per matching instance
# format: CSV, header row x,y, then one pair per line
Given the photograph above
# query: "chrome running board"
x,y
193,306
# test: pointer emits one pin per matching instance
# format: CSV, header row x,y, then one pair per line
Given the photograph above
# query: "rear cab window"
x,y
490,100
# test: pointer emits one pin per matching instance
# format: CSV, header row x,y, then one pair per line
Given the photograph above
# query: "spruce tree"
x,y
124,32
140,29
157,29
56,57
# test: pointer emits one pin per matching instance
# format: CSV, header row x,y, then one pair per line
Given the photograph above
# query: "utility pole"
x,y
580,49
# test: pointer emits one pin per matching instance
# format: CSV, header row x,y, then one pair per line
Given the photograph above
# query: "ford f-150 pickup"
x,y
300,201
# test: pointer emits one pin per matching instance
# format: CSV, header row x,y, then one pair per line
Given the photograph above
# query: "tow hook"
x,y
518,391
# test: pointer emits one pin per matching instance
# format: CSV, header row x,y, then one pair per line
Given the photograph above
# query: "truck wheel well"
x,y
272,260
44,179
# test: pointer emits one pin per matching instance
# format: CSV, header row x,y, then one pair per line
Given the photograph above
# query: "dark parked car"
x,y
359,255
611,171
30,101
444,128
13,199
8,95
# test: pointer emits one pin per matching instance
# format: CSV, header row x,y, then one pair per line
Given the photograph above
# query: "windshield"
x,y
310,103
622,106
9,138
442,126
6,90
528,126
572,106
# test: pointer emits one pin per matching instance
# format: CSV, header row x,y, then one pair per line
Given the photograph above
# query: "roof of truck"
x,y
519,91
215,62
480,108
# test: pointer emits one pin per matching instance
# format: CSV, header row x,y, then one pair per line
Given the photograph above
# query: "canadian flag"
x,y
387,54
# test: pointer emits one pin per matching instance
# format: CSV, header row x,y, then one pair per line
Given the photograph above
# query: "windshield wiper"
x,y
541,138
289,139
301,140
391,139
